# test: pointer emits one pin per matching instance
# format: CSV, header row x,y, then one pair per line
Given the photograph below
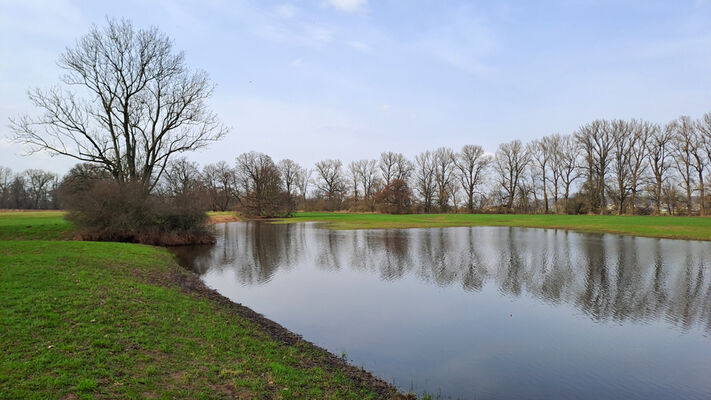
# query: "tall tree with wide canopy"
x,y
128,103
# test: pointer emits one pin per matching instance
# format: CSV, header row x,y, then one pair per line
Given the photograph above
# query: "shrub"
x,y
106,210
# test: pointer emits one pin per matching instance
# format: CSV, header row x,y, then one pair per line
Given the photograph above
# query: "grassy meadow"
x,y
97,320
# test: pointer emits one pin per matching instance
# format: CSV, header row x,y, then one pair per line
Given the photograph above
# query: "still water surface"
x,y
483,312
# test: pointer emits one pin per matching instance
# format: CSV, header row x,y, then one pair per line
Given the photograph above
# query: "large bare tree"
x,y
425,179
621,132
704,131
699,162
552,144
221,182
641,133
262,191
39,185
128,103
471,163
511,160
290,173
444,172
5,183
365,177
302,183
596,141
658,153
394,166
330,181
566,163
541,157
684,143
182,177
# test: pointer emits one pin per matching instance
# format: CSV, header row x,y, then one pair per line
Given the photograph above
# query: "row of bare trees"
x,y
30,189
606,166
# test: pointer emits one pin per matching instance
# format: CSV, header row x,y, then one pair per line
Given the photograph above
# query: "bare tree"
x,y
130,104
511,161
444,171
182,177
5,182
221,182
403,169
658,152
39,185
704,130
641,133
698,162
330,181
566,163
529,184
621,132
684,143
18,193
262,193
471,163
302,182
541,159
394,166
365,177
425,179
596,141
552,144
353,177
290,173
671,197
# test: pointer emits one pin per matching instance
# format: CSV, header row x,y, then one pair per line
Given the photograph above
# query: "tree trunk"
x,y
702,194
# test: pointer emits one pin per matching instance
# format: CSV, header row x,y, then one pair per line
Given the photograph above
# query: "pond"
x,y
482,312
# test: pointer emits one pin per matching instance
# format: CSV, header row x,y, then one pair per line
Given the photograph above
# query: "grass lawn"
x,y
115,320
34,225
698,228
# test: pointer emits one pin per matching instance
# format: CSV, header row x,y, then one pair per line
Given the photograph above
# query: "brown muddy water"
x,y
482,312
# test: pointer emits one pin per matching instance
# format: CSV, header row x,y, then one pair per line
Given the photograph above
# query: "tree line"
x,y
604,167
30,189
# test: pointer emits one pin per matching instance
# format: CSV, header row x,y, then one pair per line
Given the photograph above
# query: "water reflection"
x,y
483,312
608,277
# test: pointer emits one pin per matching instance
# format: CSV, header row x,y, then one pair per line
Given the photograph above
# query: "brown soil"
x,y
190,283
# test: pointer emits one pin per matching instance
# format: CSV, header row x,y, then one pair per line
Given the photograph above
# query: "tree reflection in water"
x,y
607,277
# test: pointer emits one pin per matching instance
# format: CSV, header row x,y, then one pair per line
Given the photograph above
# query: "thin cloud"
x,y
360,46
301,34
348,5
465,43
286,10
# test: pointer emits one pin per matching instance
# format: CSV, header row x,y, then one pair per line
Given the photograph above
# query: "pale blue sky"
x,y
348,79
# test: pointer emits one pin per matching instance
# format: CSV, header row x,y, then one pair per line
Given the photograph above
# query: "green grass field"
x,y
698,228
114,320
34,225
